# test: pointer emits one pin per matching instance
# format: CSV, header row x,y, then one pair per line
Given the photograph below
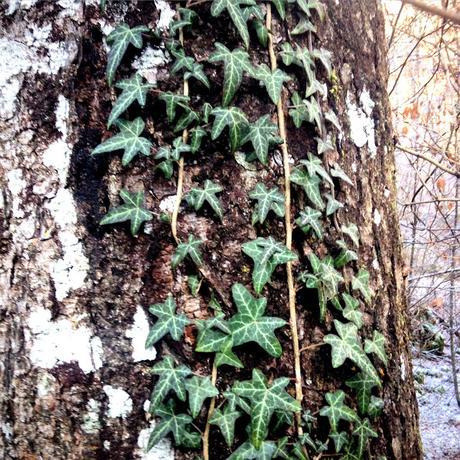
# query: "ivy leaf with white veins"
x,y
235,12
280,6
132,89
197,196
332,204
119,40
132,209
325,57
197,72
347,345
362,384
375,406
226,420
191,249
267,200
248,452
345,256
168,322
235,401
261,134
225,355
128,139
307,5
338,172
187,16
267,254
376,346
172,101
182,63
360,283
310,184
337,410
197,135
352,231
304,25
340,440
199,389
236,62
315,167
273,80
264,400
310,219
249,324
325,145
171,378
236,121
351,311
363,430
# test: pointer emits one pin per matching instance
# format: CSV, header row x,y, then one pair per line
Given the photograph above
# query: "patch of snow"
x,y
166,14
162,451
120,403
91,422
55,342
138,334
377,217
148,63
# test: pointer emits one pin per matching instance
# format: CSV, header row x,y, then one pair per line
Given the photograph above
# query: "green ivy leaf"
x,y
362,384
264,400
360,283
352,231
226,420
325,57
168,322
267,200
132,89
363,430
314,167
261,134
332,204
308,5
351,310
119,40
191,248
206,111
236,121
132,209
340,440
194,284
282,449
310,219
173,101
197,135
303,26
225,355
297,111
236,62
267,254
235,12
247,451
376,346
128,139
310,184
188,117
280,6
249,324
170,156
347,345
375,407
182,62
261,31
338,172
199,389
273,80
345,256
187,17
235,401
172,378
325,145
337,410
197,72
197,197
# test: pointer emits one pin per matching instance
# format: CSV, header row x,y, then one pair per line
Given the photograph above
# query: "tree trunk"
x,y
75,295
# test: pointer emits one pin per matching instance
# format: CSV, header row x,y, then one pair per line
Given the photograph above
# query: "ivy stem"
x,y
212,405
180,173
288,225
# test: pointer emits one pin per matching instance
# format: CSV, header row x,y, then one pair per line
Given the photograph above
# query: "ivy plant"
x,y
337,410
191,249
267,200
198,196
236,121
226,420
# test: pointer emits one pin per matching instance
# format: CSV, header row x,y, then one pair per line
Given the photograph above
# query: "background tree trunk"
x,y
75,375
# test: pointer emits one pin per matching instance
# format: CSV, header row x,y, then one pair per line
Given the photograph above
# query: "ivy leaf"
x,y
363,430
236,62
376,346
235,401
191,249
332,204
340,440
351,311
197,135
194,284
281,449
235,12
297,112
225,355
332,118
197,196
345,256
170,155
177,424
325,57
188,117
347,345
338,172
362,384
182,62
337,410
128,139
267,200
187,16
199,389
261,31
264,400
267,254
261,134
315,167
249,324
280,6
375,406
168,322
236,121
352,231
132,209
225,420
171,378
307,5
132,89
310,184
360,283
325,145
247,451
172,101
197,72
206,111
273,80
310,219
304,25
119,40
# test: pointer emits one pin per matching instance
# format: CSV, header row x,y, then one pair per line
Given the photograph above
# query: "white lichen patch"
x,y
45,384
149,62
57,342
138,333
375,264
162,451
14,5
167,204
362,126
120,403
166,14
91,423
377,217
16,185
403,367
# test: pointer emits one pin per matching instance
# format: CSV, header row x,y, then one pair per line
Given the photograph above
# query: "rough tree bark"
x,y
75,375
